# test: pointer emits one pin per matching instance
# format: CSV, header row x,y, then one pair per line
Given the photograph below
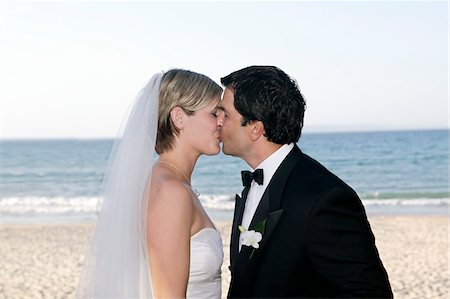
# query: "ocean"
x,y
394,172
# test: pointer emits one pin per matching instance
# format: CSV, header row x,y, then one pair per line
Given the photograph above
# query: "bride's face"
x,y
202,130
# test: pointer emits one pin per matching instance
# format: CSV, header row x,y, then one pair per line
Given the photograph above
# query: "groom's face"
x,y
234,136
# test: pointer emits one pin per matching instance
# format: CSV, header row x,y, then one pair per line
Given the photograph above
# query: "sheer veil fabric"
x,y
116,264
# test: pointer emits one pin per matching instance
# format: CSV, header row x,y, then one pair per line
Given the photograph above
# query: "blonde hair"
x,y
185,89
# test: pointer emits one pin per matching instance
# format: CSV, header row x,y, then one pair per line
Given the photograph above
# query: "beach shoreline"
x,y
45,260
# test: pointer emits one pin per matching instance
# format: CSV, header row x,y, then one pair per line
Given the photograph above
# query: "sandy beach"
x,y
44,261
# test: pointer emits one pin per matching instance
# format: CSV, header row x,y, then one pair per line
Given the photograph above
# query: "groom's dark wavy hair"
x,y
268,94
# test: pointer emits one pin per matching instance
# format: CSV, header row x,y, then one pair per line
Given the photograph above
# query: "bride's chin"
x,y
214,151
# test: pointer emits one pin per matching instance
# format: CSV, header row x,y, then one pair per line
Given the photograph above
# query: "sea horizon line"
x,y
311,131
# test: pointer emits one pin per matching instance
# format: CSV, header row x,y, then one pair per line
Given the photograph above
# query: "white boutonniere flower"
x,y
250,237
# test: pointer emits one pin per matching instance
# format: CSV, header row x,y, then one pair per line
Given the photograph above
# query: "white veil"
x,y
116,264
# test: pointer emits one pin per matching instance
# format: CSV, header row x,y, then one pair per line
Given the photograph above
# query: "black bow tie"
x,y
248,177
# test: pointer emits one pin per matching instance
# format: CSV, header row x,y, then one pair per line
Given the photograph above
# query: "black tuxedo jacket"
x,y
317,241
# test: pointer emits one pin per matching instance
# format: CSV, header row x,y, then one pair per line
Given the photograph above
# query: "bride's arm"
x,y
168,234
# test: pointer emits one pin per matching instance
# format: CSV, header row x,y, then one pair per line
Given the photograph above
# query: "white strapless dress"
x,y
206,260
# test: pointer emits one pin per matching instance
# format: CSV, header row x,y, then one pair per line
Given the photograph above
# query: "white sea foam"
x,y
218,202
88,206
40,206
407,202
84,206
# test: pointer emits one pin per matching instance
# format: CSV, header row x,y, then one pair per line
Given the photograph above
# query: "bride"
x,y
153,239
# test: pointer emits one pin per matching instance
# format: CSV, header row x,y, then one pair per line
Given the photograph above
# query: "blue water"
x,y
63,177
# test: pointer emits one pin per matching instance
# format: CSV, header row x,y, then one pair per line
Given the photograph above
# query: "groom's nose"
x,y
220,117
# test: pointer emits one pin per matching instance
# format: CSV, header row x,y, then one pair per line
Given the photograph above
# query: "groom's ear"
x,y
177,115
256,130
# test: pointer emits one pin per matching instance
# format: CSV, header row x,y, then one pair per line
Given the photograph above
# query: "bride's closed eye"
x,y
214,113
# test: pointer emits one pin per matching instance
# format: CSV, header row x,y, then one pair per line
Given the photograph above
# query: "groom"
x,y
298,230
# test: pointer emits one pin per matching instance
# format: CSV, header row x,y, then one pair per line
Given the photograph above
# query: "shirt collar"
x,y
271,163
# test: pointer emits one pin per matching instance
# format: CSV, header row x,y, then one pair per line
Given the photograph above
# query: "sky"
x,y
72,69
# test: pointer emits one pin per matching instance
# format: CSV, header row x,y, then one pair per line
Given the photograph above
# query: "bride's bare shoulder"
x,y
168,188
169,205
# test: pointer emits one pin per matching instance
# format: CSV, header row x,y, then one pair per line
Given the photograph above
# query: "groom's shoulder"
x,y
310,172
307,166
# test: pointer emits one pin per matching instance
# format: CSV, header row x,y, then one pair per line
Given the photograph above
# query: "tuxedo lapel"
x,y
237,219
262,214
272,221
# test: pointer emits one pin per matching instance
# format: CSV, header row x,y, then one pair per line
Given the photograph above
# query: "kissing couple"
x,y
298,230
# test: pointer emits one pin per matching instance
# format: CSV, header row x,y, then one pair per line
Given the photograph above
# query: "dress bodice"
x,y
206,261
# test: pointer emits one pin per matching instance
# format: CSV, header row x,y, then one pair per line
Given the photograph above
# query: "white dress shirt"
x,y
269,166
